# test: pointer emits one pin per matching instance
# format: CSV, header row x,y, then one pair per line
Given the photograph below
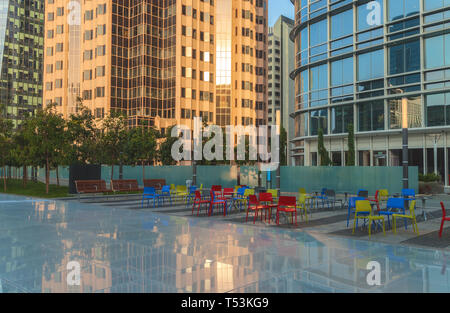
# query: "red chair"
x,y
444,218
265,197
375,199
198,201
228,192
254,205
287,205
215,200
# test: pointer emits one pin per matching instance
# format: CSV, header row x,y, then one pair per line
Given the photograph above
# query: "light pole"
x,y
405,141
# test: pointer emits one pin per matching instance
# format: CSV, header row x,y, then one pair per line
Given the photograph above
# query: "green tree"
x,y
165,148
141,147
323,153
6,129
113,141
21,150
45,134
82,138
350,161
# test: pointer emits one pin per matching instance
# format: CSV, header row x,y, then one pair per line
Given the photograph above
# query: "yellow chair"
x,y
310,199
364,208
247,193
383,195
274,193
181,191
412,216
302,205
173,190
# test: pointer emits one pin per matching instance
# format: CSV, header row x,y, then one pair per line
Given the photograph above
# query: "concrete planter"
x,y
431,187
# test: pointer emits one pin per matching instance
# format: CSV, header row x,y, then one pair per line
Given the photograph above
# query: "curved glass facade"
x,y
356,60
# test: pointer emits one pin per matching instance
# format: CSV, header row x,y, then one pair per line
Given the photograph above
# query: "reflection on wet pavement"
x,y
121,250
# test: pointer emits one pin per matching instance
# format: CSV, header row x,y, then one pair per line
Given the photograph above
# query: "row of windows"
x,y
192,73
371,115
204,16
190,93
312,41
192,32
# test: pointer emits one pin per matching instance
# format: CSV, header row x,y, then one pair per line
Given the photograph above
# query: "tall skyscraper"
x,y
356,61
21,57
281,87
160,61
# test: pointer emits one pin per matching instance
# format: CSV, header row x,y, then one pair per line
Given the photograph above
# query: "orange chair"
x,y
287,205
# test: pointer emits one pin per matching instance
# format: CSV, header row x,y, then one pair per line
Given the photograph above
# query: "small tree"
x,y
141,147
45,134
21,150
113,142
82,137
6,128
323,153
165,148
351,146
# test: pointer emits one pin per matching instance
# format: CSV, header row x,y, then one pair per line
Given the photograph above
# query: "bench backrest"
x,y
155,183
90,185
124,184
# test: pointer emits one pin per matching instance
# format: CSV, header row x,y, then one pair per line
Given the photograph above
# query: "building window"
x,y
318,120
438,112
402,8
371,116
371,65
404,57
414,112
342,24
437,51
363,12
342,72
341,117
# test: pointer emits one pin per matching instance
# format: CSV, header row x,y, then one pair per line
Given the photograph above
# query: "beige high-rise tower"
x,y
160,61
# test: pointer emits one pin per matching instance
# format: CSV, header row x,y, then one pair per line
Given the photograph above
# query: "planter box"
x,y
431,188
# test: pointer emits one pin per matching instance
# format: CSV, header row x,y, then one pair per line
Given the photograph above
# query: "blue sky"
x,y
280,7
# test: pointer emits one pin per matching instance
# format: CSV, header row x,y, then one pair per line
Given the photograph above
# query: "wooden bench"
x,y
91,186
155,183
125,185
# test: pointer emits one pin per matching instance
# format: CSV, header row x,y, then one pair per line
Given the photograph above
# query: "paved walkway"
x,y
324,221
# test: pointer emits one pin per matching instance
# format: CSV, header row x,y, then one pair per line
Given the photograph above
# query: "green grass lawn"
x,y
33,189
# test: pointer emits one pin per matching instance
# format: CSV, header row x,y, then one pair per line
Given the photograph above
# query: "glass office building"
x,y
355,63
21,54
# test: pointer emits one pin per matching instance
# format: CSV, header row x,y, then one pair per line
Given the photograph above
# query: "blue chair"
x,y
165,192
149,193
239,197
362,193
409,193
214,202
191,194
322,197
393,203
352,207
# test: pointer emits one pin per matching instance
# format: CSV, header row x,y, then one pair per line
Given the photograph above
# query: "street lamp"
x,y
405,141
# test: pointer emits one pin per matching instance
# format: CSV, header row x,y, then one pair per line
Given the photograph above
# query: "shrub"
x,y
431,177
